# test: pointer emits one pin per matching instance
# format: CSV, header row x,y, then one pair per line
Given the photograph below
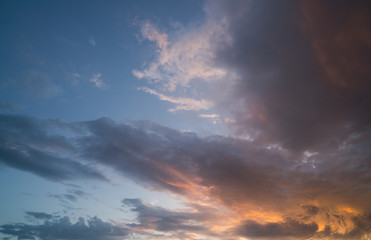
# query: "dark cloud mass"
x,y
303,70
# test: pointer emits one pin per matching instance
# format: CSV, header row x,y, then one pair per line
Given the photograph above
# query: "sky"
x,y
165,119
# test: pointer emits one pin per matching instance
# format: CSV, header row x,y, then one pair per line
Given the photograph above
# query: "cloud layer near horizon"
x,y
238,179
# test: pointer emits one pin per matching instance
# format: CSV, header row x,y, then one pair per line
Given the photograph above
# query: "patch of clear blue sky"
x,y
47,57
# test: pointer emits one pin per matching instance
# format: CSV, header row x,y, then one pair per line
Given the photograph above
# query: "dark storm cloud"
x,y
62,228
30,145
280,230
303,69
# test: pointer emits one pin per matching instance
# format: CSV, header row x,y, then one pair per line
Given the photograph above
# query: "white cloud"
x,y
185,64
181,103
98,82
189,57
209,115
92,41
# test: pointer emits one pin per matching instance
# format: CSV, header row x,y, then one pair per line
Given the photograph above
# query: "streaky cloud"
x,y
238,175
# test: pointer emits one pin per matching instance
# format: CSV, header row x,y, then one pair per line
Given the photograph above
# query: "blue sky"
x,y
54,51
185,120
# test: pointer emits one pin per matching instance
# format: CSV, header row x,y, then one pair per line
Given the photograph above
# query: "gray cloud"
x,y
29,145
40,215
238,174
62,228
164,220
302,79
280,230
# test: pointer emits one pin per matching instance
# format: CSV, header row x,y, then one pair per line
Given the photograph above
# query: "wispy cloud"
x,y
35,84
4,106
184,104
181,60
98,82
92,41
209,115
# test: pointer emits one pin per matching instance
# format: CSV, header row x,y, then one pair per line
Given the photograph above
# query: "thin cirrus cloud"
x,y
35,84
248,186
181,103
92,41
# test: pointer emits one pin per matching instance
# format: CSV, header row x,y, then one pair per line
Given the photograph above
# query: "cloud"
x,y
240,179
282,75
182,104
188,57
4,106
92,41
287,228
40,215
35,84
299,82
164,220
209,115
98,82
30,145
62,228
72,196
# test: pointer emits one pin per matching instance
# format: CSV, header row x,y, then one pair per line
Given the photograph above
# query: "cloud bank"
x,y
247,186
